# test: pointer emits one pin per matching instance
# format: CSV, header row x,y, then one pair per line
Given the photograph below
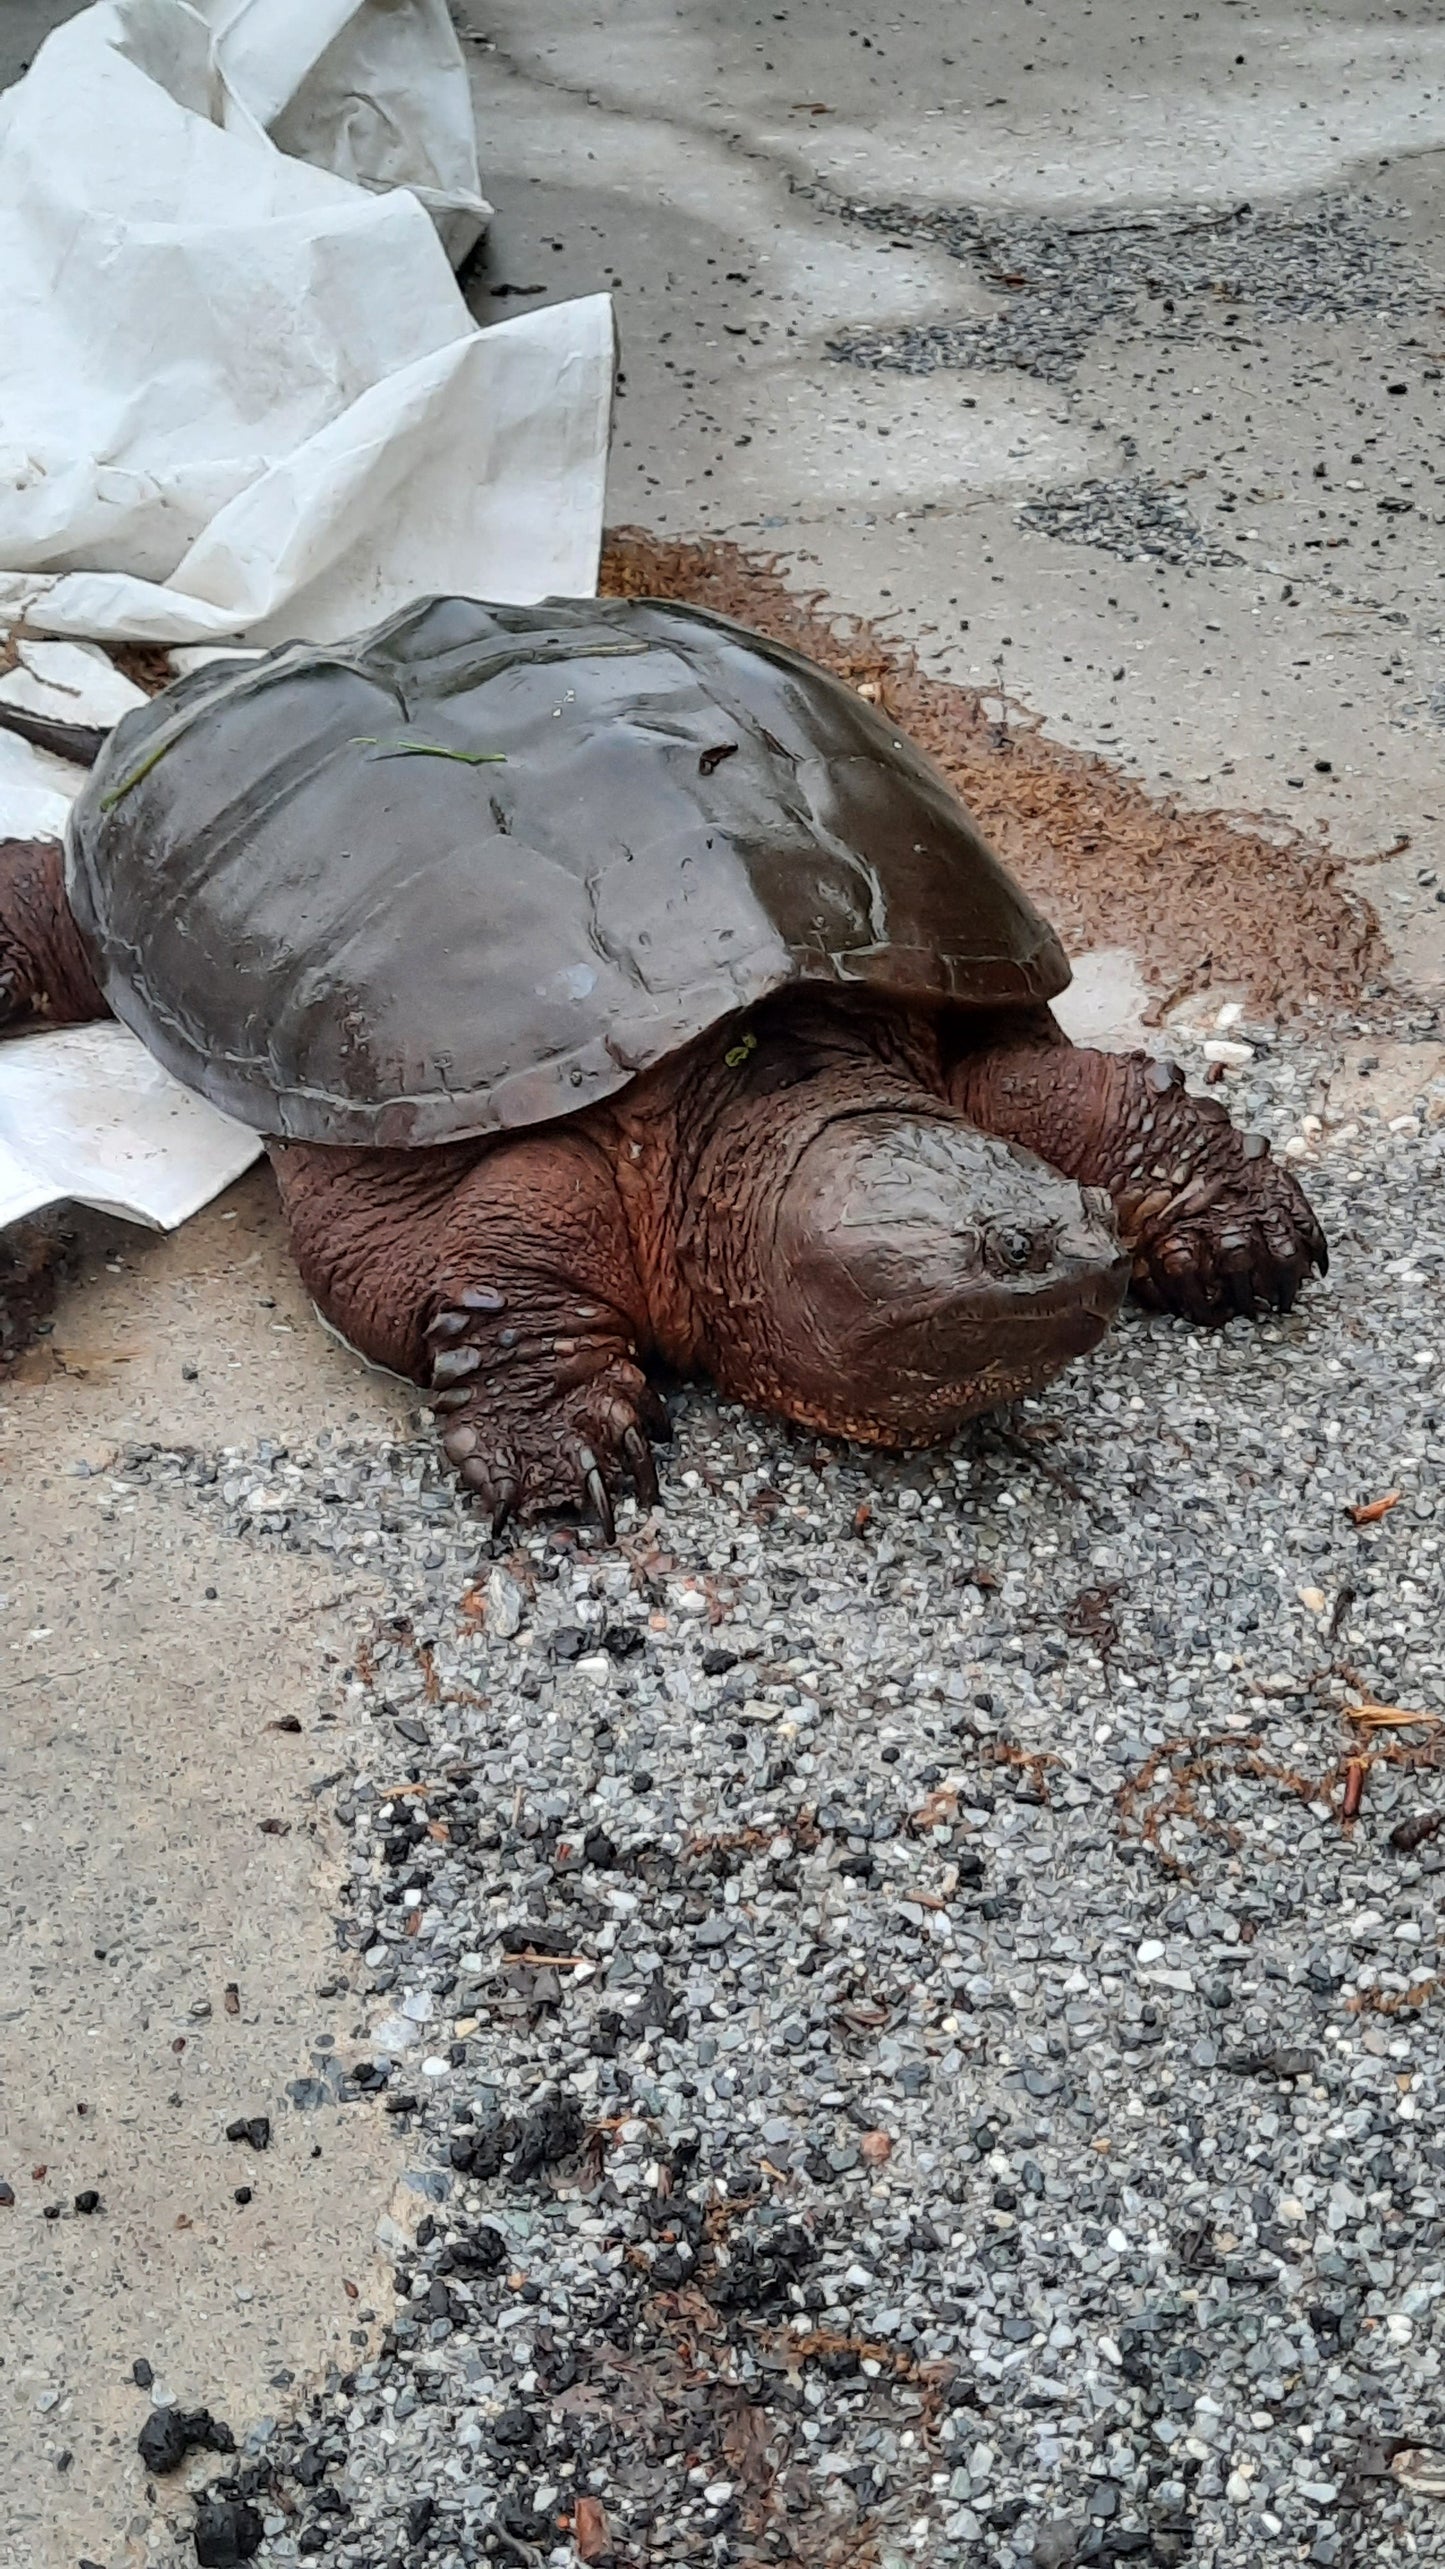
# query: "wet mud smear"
x,y
1204,899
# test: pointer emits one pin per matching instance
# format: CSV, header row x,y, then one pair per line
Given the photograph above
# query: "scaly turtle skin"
x,y
614,986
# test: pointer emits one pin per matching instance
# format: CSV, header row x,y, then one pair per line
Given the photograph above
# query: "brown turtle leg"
x,y
1213,1225
43,967
503,1280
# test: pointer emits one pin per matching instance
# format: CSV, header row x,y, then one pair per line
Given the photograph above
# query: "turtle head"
x,y
909,1272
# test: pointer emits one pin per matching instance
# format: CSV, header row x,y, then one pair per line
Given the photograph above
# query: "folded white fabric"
x,y
240,393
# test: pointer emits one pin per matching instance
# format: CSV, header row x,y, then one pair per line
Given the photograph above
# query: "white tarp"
x,y
87,1117
240,393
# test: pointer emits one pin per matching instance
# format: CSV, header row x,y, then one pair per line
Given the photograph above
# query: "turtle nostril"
x,y
1013,1249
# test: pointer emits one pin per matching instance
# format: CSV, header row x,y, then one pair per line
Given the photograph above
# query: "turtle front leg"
x,y
1214,1226
502,1280
44,970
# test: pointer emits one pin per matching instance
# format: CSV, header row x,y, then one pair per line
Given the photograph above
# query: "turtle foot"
x,y
579,1445
1238,1239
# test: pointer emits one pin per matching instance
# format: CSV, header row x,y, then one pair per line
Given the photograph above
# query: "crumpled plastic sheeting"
x,y
241,395
340,83
87,1117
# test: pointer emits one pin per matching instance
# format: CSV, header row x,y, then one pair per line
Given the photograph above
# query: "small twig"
x,y
510,2542
551,1962
1389,2002
1377,1717
1376,1508
1382,855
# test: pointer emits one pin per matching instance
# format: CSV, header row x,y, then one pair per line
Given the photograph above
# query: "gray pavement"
x,y
24,26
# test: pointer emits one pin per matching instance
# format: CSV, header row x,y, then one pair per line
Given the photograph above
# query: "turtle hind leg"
x,y
44,970
1213,1225
503,1281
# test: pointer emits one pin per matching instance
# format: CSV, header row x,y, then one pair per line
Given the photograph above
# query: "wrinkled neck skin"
x,y
824,1235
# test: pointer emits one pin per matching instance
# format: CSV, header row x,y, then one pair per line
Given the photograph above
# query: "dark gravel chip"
x,y
515,2428
484,2253
88,2200
227,2530
169,2434
252,2128
480,2153
548,2136
1284,2060
531,1936
764,2269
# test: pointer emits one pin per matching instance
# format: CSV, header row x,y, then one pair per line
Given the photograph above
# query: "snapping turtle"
x,y
614,984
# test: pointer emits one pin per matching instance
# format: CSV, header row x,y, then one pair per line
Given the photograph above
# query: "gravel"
x,y
901,2055
1176,274
1136,516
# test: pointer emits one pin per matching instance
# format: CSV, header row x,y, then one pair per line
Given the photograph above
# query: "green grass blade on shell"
x,y
152,758
430,749
230,682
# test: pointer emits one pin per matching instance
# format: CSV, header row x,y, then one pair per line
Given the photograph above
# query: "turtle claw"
x,y
1238,1244
653,1412
644,1471
596,1490
571,1439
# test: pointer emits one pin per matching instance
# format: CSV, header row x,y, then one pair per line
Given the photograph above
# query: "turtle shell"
x,y
483,865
